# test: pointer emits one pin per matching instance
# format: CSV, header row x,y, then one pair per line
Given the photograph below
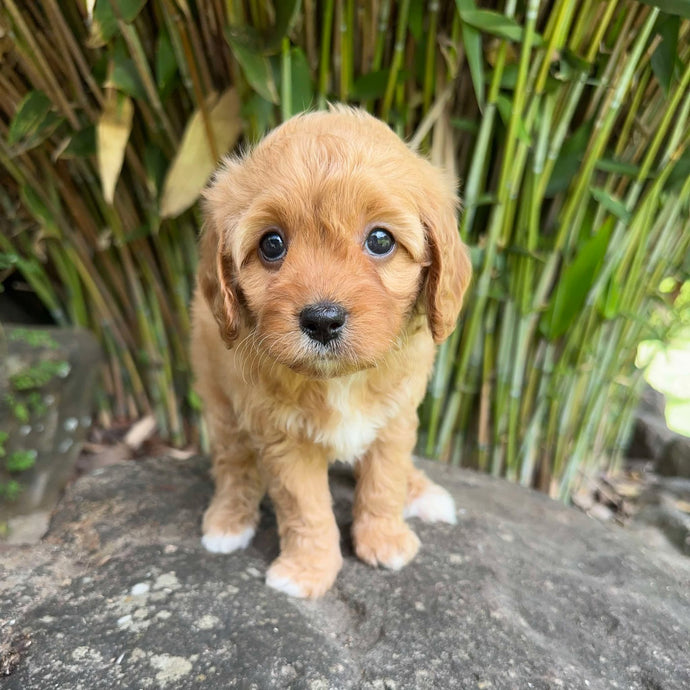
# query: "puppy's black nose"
x,y
323,321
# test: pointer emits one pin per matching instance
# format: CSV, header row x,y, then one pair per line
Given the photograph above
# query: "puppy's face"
x,y
324,240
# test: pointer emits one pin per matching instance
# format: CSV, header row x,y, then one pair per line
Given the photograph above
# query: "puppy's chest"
x,y
349,420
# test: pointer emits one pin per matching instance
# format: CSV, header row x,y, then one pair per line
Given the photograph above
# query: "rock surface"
x,y
523,592
652,440
47,385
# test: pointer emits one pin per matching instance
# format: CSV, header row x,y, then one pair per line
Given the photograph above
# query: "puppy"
x,y
330,264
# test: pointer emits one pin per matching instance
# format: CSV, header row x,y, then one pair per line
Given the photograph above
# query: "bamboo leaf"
x,y
609,303
155,164
104,20
256,67
166,64
619,167
112,135
678,7
372,85
611,203
81,144
575,282
287,12
664,58
194,161
124,77
472,42
569,160
496,24
38,209
34,120
415,20
680,172
302,84
505,106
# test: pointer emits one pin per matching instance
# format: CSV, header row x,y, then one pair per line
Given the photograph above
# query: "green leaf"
x,y
302,86
287,12
125,77
664,58
472,42
569,159
81,144
166,63
415,19
34,120
495,24
104,19
678,7
37,208
610,203
465,124
505,106
156,165
619,167
575,282
609,303
256,67
371,86
680,172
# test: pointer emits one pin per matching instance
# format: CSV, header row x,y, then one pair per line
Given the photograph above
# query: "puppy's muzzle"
x,y
323,322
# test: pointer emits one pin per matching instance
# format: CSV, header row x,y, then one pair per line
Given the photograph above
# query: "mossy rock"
x,y
47,381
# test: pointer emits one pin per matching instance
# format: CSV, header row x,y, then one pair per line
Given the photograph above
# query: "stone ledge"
x,y
120,594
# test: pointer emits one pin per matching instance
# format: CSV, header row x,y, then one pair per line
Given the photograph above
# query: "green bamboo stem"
x,y
396,61
324,62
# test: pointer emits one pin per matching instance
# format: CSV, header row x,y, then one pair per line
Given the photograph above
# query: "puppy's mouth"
x,y
319,343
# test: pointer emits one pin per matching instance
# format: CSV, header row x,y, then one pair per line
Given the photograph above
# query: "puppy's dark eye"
x,y
379,242
272,247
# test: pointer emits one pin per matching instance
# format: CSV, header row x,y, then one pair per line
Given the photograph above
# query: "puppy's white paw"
x,y
434,505
284,584
227,543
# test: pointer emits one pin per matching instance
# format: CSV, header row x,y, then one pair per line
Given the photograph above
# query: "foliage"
x,y
567,122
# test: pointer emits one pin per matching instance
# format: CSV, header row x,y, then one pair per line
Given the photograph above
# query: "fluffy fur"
x,y
281,406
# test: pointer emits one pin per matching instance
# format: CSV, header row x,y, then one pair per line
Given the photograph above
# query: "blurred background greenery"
x,y
567,122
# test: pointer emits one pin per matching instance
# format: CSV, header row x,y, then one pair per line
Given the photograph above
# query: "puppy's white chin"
x,y
315,368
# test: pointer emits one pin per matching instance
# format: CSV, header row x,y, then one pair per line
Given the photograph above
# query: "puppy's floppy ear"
x,y
216,270
215,283
450,270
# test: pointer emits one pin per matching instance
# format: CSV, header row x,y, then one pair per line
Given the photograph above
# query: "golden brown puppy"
x,y
330,264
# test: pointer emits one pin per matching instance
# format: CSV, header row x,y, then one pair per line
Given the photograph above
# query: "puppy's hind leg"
x,y
428,501
231,518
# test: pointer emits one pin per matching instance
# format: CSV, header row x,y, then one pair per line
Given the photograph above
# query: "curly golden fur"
x,y
316,344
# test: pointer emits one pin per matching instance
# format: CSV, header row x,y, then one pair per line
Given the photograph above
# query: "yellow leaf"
x,y
194,161
112,134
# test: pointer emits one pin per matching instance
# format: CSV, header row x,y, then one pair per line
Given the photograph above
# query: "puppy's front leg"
x,y
380,534
297,479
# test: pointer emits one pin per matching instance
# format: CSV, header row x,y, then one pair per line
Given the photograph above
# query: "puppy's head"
x,y
324,241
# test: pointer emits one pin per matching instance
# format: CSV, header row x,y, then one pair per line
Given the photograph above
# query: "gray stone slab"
x,y
47,385
523,592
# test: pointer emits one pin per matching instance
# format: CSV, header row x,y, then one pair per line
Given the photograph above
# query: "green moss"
x,y
20,460
39,374
10,490
18,408
35,338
